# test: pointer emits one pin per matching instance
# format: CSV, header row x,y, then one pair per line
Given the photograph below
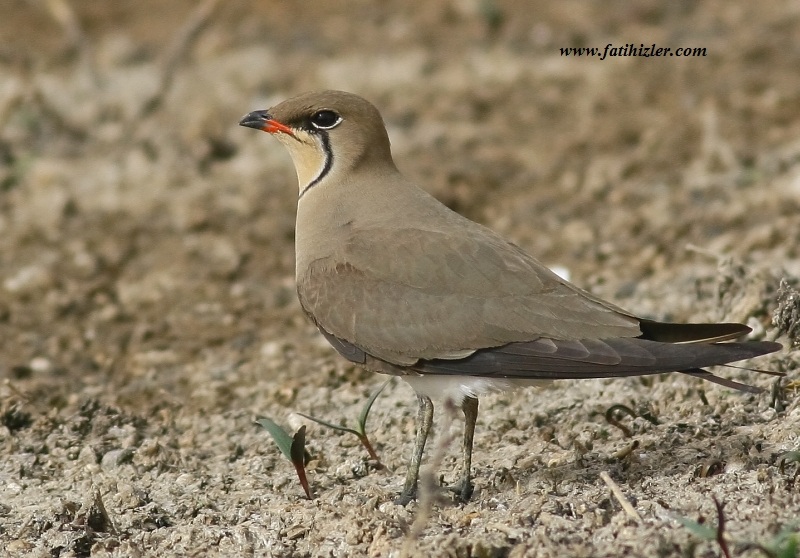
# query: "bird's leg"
x,y
424,421
464,488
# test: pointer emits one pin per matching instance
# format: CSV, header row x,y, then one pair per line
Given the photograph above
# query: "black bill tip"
x,y
257,119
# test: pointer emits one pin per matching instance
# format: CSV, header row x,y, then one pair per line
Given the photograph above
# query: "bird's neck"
x,y
329,211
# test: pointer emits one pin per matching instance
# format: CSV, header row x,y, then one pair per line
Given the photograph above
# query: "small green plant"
x,y
706,533
360,431
293,447
785,544
789,457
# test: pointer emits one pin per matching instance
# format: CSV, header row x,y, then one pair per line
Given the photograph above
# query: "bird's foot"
x,y
463,491
408,495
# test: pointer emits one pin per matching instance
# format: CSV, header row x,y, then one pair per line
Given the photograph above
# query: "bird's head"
x,y
327,133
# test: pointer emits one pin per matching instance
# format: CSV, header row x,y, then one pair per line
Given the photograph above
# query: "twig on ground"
x,y
613,421
176,52
61,11
787,315
623,501
100,507
24,526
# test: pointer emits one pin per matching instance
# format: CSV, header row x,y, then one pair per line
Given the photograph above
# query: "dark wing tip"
x,y
691,333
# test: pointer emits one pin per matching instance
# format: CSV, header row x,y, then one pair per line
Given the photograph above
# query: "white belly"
x,y
456,388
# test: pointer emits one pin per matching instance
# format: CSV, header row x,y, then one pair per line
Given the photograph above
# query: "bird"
x,y
400,284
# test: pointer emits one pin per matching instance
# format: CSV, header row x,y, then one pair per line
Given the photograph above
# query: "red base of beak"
x,y
261,120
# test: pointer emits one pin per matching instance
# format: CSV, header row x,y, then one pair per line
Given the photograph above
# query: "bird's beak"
x,y
261,120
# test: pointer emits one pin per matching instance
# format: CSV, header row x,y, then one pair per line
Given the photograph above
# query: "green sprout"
x,y
785,544
360,431
293,447
710,534
789,457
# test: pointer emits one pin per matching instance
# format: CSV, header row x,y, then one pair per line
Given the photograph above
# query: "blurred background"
x,y
146,240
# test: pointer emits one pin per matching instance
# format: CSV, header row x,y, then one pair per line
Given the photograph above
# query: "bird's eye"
x,y
325,119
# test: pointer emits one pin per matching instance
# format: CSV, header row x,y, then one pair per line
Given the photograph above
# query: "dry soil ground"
x,y
147,309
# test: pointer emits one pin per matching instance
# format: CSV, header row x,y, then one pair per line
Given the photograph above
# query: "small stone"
x,y
115,458
40,364
296,532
